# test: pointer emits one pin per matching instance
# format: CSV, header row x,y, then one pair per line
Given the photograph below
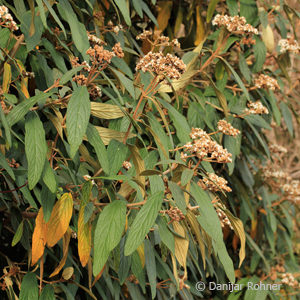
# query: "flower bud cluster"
x,y
175,214
256,108
162,65
214,183
203,146
6,19
95,40
234,24
289,279
289,44
266,82
227,128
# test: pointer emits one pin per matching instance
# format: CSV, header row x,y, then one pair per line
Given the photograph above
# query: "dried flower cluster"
x,y
99,55
126,165
118,50
144,35
274,148
214,183
175,214
275,174
162,65
234,24
289,279
95,40
292,188
223,217
12,163
289,44
266,82
6,19
203,146
95,92
80,79
227,128
256,108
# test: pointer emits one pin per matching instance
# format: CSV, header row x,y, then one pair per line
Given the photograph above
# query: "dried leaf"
x,y
141,251
181,245
106,111
38,237
200,30
60,219
67,273
107,135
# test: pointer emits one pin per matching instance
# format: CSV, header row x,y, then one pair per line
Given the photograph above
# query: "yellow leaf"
x,y
84,238
66,242
141,252
200,31
59,219
24,80
268,38
164,13
6,77
181,245
38,237
108,134
106,111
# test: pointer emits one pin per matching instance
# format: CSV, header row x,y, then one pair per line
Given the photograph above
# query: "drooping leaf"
x,y
108,233
143,222
29,287
84,238
78,113
66,242
35,148
48,293
59,219
124,9
106,111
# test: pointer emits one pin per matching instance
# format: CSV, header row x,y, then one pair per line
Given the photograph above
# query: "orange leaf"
x,y
164,14
66,242
200,31
84,238
38,237
59,219
98,276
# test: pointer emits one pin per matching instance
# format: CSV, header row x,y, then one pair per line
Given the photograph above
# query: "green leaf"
x,y
128,84
233,7
42,13
108,233
18,234
210,10
186,176
5,126
210,222
95,140
143,222
165,234
138,8
78,113
78,30
124,10
55,17
244,68
116,152
35,148
69,74
19,111
287,116
178,196
49,177
29,287
260,52
150,266
48,293
4,164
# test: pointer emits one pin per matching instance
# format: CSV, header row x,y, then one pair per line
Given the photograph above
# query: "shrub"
x,y
135,167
